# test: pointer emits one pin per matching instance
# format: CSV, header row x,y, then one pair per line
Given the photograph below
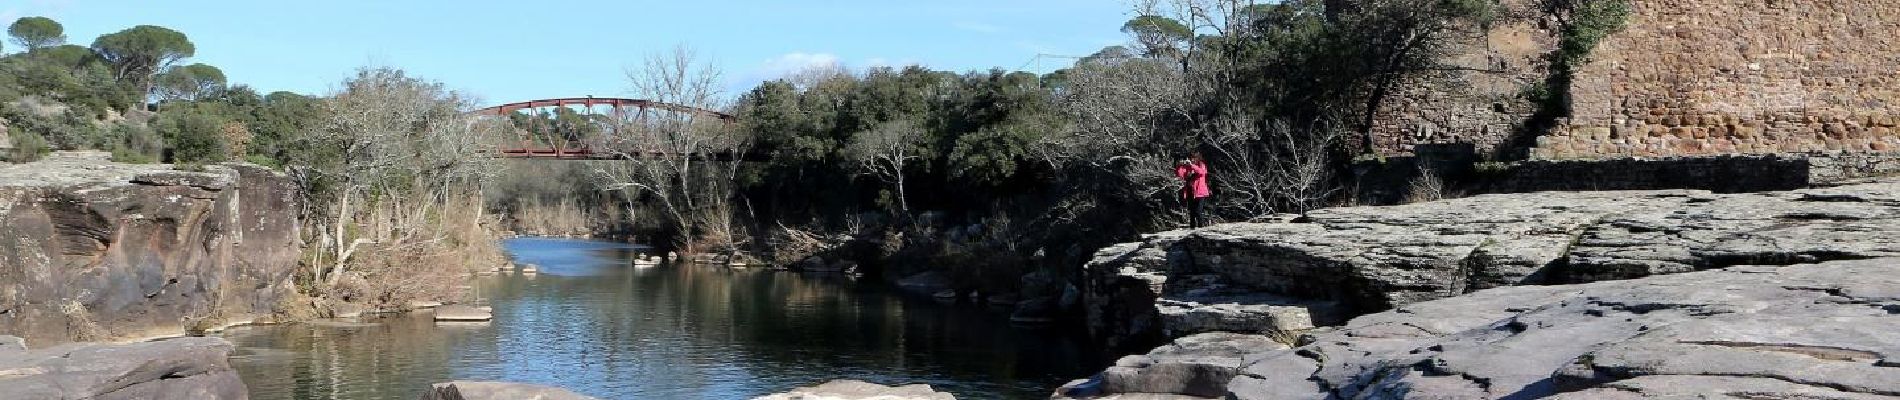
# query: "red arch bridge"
x,y
590,128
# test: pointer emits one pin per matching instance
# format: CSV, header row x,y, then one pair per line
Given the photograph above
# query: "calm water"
x,y
593,324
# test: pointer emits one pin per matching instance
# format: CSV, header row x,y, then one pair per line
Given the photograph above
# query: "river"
x,y
593,323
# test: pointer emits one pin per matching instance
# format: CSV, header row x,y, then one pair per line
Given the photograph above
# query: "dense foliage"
x,y
125,95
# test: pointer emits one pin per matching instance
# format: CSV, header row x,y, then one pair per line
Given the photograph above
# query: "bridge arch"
x,y
563,147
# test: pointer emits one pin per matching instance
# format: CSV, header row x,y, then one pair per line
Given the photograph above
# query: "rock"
x,y
181,369
346,310
461,313
1034,311
1811,331
947,295
1248,313
1199,366
423,304
96,250
12,344
926,283
847,389
478,390
1337,263
1003,300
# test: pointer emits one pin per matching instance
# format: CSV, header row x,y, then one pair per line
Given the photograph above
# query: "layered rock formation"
x,y
94,250
1283,277
1824,331
177,369
1638,294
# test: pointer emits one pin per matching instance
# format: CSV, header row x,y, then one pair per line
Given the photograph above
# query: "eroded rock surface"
x,y
1279,277
95,250
1823,331
1193,366
175,369
847,389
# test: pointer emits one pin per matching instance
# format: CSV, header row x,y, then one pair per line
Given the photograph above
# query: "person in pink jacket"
x,y
1193,173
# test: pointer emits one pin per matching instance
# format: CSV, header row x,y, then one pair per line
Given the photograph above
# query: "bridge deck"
x,y
590,154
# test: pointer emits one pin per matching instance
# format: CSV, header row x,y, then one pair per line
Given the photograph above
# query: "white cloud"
x,y
977,27
794,62
886,62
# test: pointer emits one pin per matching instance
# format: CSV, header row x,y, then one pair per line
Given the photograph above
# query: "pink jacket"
x,y
1195,173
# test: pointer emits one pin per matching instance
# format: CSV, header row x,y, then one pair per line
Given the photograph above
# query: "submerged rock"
x,y
462,313
478,390
847,389
175,369
926,283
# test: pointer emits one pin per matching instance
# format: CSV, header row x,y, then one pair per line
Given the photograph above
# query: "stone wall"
x,y
1739,76
1479,102
1682,79
1390,181
93,250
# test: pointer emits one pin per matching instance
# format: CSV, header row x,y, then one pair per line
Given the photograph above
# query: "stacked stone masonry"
x,y
1682,79
1739,76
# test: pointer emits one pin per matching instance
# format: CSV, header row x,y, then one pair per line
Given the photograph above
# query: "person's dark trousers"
x,y
1195,220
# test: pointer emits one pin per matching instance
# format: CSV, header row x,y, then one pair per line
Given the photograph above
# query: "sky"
x,y
519,50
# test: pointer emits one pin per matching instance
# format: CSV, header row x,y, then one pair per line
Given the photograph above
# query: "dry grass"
x,y
1426,187
427,262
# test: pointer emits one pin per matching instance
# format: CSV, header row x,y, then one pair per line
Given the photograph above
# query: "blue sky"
x,y
513,51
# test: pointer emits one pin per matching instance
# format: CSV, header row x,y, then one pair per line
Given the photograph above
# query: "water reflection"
x,y
592,323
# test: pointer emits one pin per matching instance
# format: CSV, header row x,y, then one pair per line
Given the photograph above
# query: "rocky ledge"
x,y
96,250
181,369
846,389
1824,331
1290,274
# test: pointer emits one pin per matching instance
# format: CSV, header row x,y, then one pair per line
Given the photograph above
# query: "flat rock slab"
x,y
174,369
1373,259
1824,331
479,390
847,389
459,313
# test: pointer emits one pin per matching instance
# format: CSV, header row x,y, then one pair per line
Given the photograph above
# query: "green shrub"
x,y
195,137
263,160
130,156
27,146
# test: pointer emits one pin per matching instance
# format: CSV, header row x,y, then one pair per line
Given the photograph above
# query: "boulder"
x,y
1195,366
847,389
478,390
12,344
925,283
181,369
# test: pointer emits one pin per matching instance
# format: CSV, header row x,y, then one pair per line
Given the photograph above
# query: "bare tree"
x,y
669,155
394,153
886,150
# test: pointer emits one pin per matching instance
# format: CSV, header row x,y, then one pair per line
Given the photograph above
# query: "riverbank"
x,y
93,250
